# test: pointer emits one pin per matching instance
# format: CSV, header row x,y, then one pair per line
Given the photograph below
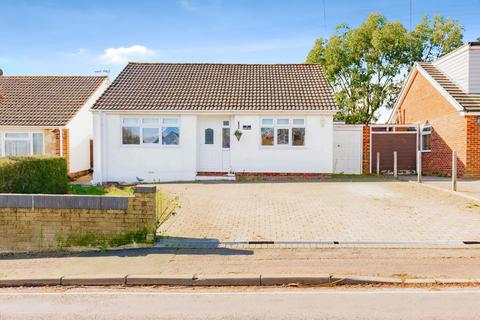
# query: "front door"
x,y
213,144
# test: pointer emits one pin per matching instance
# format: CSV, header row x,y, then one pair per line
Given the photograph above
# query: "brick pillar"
x,y
65,145
472,166
366,150
144,206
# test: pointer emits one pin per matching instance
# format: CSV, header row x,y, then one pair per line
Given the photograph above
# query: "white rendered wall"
x,y
125,163
80,133
315,157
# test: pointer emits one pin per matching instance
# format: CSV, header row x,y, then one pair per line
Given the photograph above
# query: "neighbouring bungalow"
x,y
49,115
166,122
443,99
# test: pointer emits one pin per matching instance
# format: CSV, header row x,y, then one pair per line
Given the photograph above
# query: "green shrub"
x,y
33,175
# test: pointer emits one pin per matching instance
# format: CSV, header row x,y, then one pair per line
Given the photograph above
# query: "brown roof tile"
x,y
469,102
218,87
43,101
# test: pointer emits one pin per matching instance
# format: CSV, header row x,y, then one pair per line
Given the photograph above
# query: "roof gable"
x,y
219,87
460,100
44,101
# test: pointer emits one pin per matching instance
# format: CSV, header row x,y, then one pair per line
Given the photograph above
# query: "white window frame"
x,y
424,133
161,125
4,139
290,126
227,126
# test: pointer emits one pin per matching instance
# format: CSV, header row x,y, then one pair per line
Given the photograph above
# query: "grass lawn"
x,y
166,204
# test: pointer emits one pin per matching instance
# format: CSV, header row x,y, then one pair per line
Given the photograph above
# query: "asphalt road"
x,y
270,304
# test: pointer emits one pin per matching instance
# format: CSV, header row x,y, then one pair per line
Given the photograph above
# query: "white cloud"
x,y
122,55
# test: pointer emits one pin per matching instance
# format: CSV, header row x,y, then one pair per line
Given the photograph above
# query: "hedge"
x,y
33,175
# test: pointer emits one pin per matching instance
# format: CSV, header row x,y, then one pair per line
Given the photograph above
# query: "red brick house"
x,y
443,99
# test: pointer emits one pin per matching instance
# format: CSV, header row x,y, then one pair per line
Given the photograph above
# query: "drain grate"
x,y
261,242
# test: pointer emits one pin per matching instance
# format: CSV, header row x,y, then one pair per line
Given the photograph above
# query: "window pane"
x,y
37,143
282,136
267,136
208,136
130,121
17,148
426,141
170,120
282,121
131,135
226,123
150,121
267,122
151,135
171,136
299,122
226,138
298,136
17,135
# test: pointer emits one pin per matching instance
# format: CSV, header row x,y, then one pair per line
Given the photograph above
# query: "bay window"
x,y
149,131
282,132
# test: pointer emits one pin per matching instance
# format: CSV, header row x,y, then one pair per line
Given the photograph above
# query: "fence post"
x,y
454,171
395,169
419,166
378,163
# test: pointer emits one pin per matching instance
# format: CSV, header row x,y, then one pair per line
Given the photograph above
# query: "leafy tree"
x,y
366,66
432,39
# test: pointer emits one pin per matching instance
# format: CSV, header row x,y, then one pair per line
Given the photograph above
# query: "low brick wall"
x,y
32,223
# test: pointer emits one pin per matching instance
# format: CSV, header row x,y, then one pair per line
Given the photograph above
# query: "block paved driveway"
x,y
320,211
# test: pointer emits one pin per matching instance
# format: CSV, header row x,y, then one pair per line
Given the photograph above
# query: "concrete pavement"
x,y
450,303
470,189
399,263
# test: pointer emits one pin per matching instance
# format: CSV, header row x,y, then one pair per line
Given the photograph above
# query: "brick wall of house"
x,y
424,103
473,146
366,150
32,223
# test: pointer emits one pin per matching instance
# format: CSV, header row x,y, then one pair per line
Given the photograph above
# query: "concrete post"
x,y
378,163
454,171
395,169
419,166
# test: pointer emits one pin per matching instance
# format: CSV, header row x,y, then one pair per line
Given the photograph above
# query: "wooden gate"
x,y
386,139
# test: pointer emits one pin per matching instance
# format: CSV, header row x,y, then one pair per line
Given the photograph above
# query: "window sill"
x,y
149,146
283,147
426,151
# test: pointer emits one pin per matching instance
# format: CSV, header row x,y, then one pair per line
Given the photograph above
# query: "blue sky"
x,y
80,37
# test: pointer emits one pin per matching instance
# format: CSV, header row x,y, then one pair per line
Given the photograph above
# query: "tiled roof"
x,y
469,102
43,101
219,87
